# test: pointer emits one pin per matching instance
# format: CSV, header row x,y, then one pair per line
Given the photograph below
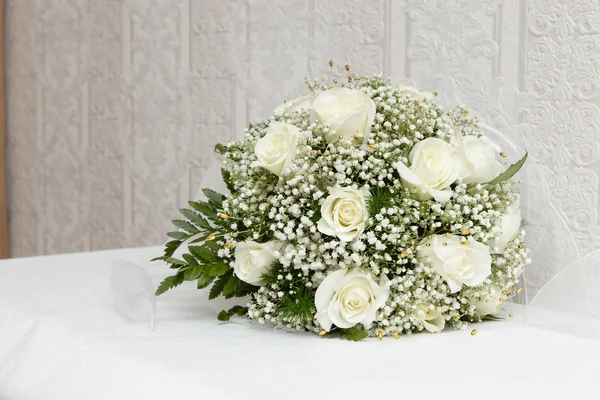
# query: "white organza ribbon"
x,y
133,291
562,286
570,301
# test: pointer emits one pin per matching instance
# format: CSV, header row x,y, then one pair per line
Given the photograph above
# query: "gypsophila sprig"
x,y
362,209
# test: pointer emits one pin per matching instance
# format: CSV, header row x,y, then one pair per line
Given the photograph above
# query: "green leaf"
x,y
176,261
172,244
510,172
169,283
199,239
202,223
245,289
195,218
230,288
218,269
193,273
225,316
237,288
492,318
269,276
227,179
204,253
317,212
214,198
213,246
205,279
300,308
186,226
379,198
190,259
220,283
189,214
178,235
354,334
170,248
220,148
204,208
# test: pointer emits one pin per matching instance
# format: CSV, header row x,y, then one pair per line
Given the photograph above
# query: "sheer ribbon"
x,y
133,291
562,286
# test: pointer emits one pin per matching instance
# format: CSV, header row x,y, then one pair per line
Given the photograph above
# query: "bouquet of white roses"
x,y
359,209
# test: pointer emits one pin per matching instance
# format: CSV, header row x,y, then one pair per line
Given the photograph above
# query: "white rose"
x,y
343,214
277,148
252,260
479,164
434,166
348,112
510,224
458,262
413,93
433,321
346,298
491,303
301,103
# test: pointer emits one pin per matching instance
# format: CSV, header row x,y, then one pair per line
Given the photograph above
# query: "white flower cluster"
x,y
368,207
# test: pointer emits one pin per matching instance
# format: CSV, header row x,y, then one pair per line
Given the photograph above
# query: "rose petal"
x,y
454,285
424,191
354,125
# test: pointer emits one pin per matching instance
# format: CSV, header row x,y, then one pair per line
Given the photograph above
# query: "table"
x,y
60,338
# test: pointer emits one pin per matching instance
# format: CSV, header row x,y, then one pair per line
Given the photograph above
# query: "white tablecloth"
x,y
60,338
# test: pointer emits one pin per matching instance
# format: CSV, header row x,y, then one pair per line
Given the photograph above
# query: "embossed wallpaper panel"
x,y
114,105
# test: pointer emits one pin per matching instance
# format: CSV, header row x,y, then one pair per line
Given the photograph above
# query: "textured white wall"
x,y
113,105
